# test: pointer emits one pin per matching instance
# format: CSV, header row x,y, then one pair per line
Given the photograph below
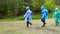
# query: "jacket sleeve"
x,y
25,15
53,15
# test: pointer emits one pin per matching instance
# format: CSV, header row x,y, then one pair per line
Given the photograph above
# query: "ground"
x,y
19,27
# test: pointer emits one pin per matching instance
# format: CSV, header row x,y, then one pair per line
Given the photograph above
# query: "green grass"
x,y
35,16
21,18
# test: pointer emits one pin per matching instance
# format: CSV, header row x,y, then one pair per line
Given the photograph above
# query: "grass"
x,y
35,16
20,18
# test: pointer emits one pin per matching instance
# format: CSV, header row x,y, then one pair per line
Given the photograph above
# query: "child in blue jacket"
x,y
44,15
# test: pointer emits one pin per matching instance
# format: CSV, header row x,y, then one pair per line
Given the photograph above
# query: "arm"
x,y
25,15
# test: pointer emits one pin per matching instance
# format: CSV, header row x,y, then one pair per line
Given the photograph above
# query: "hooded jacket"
x,y
28,15
44,13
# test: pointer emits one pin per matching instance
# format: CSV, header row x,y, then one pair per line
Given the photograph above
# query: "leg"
x,y
30,23
27,24
43,23
56,21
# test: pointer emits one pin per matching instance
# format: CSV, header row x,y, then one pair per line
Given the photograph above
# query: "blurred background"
x,y
15,9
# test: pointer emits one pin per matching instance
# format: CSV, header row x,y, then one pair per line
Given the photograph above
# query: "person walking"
x,y
56,16
28,16
44,15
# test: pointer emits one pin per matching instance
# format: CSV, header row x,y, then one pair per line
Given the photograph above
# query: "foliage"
x,y
16,8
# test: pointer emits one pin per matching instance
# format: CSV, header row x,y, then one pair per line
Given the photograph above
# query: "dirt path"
x,y
19,27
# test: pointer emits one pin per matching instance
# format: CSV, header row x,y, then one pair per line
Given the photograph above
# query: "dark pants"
x,y
57,22
28,23
43,20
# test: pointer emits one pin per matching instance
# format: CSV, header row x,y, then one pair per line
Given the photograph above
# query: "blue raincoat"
x,y
28,15
44,13
56,15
